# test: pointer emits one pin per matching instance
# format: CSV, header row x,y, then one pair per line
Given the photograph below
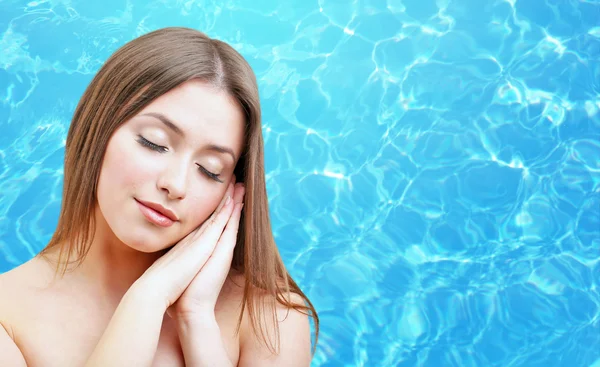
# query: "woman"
x,y
152,224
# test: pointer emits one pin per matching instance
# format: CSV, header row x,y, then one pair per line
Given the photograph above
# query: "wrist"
x,y
144,296
201,341
196,321
192,312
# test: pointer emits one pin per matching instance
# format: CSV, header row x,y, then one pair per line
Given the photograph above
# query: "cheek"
x,y
125,165
201,206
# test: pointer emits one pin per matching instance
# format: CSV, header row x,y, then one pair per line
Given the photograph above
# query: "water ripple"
x,y
432,166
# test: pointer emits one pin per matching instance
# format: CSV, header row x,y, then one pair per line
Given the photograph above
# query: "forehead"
x,y
204,113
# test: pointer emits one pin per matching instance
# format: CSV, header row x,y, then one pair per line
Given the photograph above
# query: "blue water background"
x,y
433,167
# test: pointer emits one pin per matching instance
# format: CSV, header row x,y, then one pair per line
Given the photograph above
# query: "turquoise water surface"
x,y
433,167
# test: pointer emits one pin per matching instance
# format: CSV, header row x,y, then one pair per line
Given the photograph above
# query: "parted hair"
x,y
134,76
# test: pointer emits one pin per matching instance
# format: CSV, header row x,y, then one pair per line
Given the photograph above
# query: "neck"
x,y
110,266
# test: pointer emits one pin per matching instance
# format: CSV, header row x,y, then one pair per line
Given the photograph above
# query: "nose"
x,y
173,180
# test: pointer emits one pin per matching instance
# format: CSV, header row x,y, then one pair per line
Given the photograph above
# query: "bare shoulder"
x,y
7,287
19,287
235,285
11,286
285,335
8,294
27,274
14,286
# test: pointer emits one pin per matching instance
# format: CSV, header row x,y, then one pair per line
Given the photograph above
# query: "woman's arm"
x,y
194,312
131,337
202,344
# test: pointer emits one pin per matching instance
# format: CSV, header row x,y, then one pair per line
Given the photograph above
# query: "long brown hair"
x,y
133,77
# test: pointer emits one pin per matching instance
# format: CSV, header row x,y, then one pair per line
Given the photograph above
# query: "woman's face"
x,y
177,154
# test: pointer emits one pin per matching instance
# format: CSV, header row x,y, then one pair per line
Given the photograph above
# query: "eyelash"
x,y
148,144
160,149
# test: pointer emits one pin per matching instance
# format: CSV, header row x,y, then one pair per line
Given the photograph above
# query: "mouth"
x,y
156,213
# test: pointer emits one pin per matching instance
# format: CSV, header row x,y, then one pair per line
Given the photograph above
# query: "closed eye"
x,y
161,149
211,175
148,144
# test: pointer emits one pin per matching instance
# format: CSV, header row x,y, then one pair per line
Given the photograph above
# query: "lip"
x,y
157,213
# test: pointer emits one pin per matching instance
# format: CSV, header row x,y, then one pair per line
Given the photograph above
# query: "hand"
x,y
200,297
169,276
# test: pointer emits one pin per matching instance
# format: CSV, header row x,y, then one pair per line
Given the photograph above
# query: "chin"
x,y
145,244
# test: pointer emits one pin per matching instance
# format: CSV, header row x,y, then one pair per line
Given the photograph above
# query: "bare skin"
x,y
60,324
91,314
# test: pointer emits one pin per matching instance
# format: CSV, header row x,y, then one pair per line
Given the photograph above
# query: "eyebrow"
x,y
165,120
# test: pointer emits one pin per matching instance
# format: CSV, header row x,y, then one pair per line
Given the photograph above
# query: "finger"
x,y
220,260
215,227
190,254
202,227
172,273
239,191
227,192
229,234
218,219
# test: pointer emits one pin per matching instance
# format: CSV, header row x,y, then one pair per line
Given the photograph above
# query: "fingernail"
x,y
227,200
